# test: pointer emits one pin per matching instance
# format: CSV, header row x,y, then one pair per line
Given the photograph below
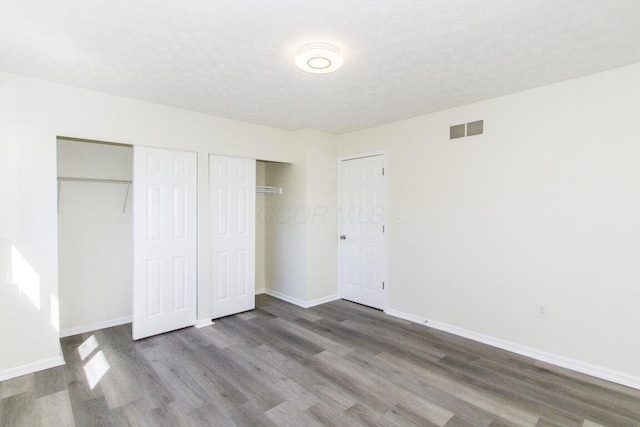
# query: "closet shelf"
x,y
127,182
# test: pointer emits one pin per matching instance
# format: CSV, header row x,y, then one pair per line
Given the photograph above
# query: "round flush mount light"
x,y
319,58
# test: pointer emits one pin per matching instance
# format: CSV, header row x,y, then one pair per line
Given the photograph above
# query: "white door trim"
x,y
385,201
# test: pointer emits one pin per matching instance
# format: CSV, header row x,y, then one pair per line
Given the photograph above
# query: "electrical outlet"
x,y
542,311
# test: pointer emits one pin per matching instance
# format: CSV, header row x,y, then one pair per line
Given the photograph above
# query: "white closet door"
x,y
232,186
362,212
164,212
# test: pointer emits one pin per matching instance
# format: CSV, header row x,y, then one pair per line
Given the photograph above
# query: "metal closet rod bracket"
x,y
266,189
99,181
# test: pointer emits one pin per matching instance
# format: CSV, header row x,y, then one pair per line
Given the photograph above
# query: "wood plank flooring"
x,y
338,364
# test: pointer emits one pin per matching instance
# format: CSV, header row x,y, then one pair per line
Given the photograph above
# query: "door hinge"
x,y
383,285
382,171
383,228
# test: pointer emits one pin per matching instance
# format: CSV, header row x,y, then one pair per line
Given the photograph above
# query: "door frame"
x,y
385,203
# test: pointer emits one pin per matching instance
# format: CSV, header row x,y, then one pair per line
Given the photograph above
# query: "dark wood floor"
x,y
338,364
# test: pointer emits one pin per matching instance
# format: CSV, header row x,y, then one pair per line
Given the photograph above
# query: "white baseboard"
x,y
202,323
30,368
405,316
95,326
322,300
301,303
260,291
287,298
554,359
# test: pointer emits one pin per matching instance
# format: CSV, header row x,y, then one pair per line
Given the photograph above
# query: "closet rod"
x,y
128,182
105,181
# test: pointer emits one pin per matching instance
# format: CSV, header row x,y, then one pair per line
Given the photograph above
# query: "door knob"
x,y
343,237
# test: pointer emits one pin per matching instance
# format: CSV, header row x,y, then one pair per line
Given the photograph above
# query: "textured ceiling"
x,y
234,58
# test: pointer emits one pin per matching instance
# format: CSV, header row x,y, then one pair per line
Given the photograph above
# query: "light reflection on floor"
x,y
97,366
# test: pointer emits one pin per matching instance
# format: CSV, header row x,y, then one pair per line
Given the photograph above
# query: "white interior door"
x,y
164,212
232,186
362,221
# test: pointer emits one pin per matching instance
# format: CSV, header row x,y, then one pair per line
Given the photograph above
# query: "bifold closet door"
x,y
232,198
164,268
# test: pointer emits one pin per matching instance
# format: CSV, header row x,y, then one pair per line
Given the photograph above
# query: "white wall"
x,y
95,241
302,233
34,113
29,292
285,236
322,219
542,209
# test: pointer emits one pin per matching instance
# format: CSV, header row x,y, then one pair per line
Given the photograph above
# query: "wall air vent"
x,y
465,130
457,131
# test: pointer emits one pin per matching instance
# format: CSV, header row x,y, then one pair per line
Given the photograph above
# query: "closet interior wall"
x,y
95,236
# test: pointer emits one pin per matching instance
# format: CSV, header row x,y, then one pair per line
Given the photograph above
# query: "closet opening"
x,y
95,234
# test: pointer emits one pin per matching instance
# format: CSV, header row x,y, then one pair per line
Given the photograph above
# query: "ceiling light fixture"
x,y
319,58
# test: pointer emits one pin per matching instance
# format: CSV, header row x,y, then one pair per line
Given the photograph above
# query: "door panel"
x,y
233,197
362,254
164,194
